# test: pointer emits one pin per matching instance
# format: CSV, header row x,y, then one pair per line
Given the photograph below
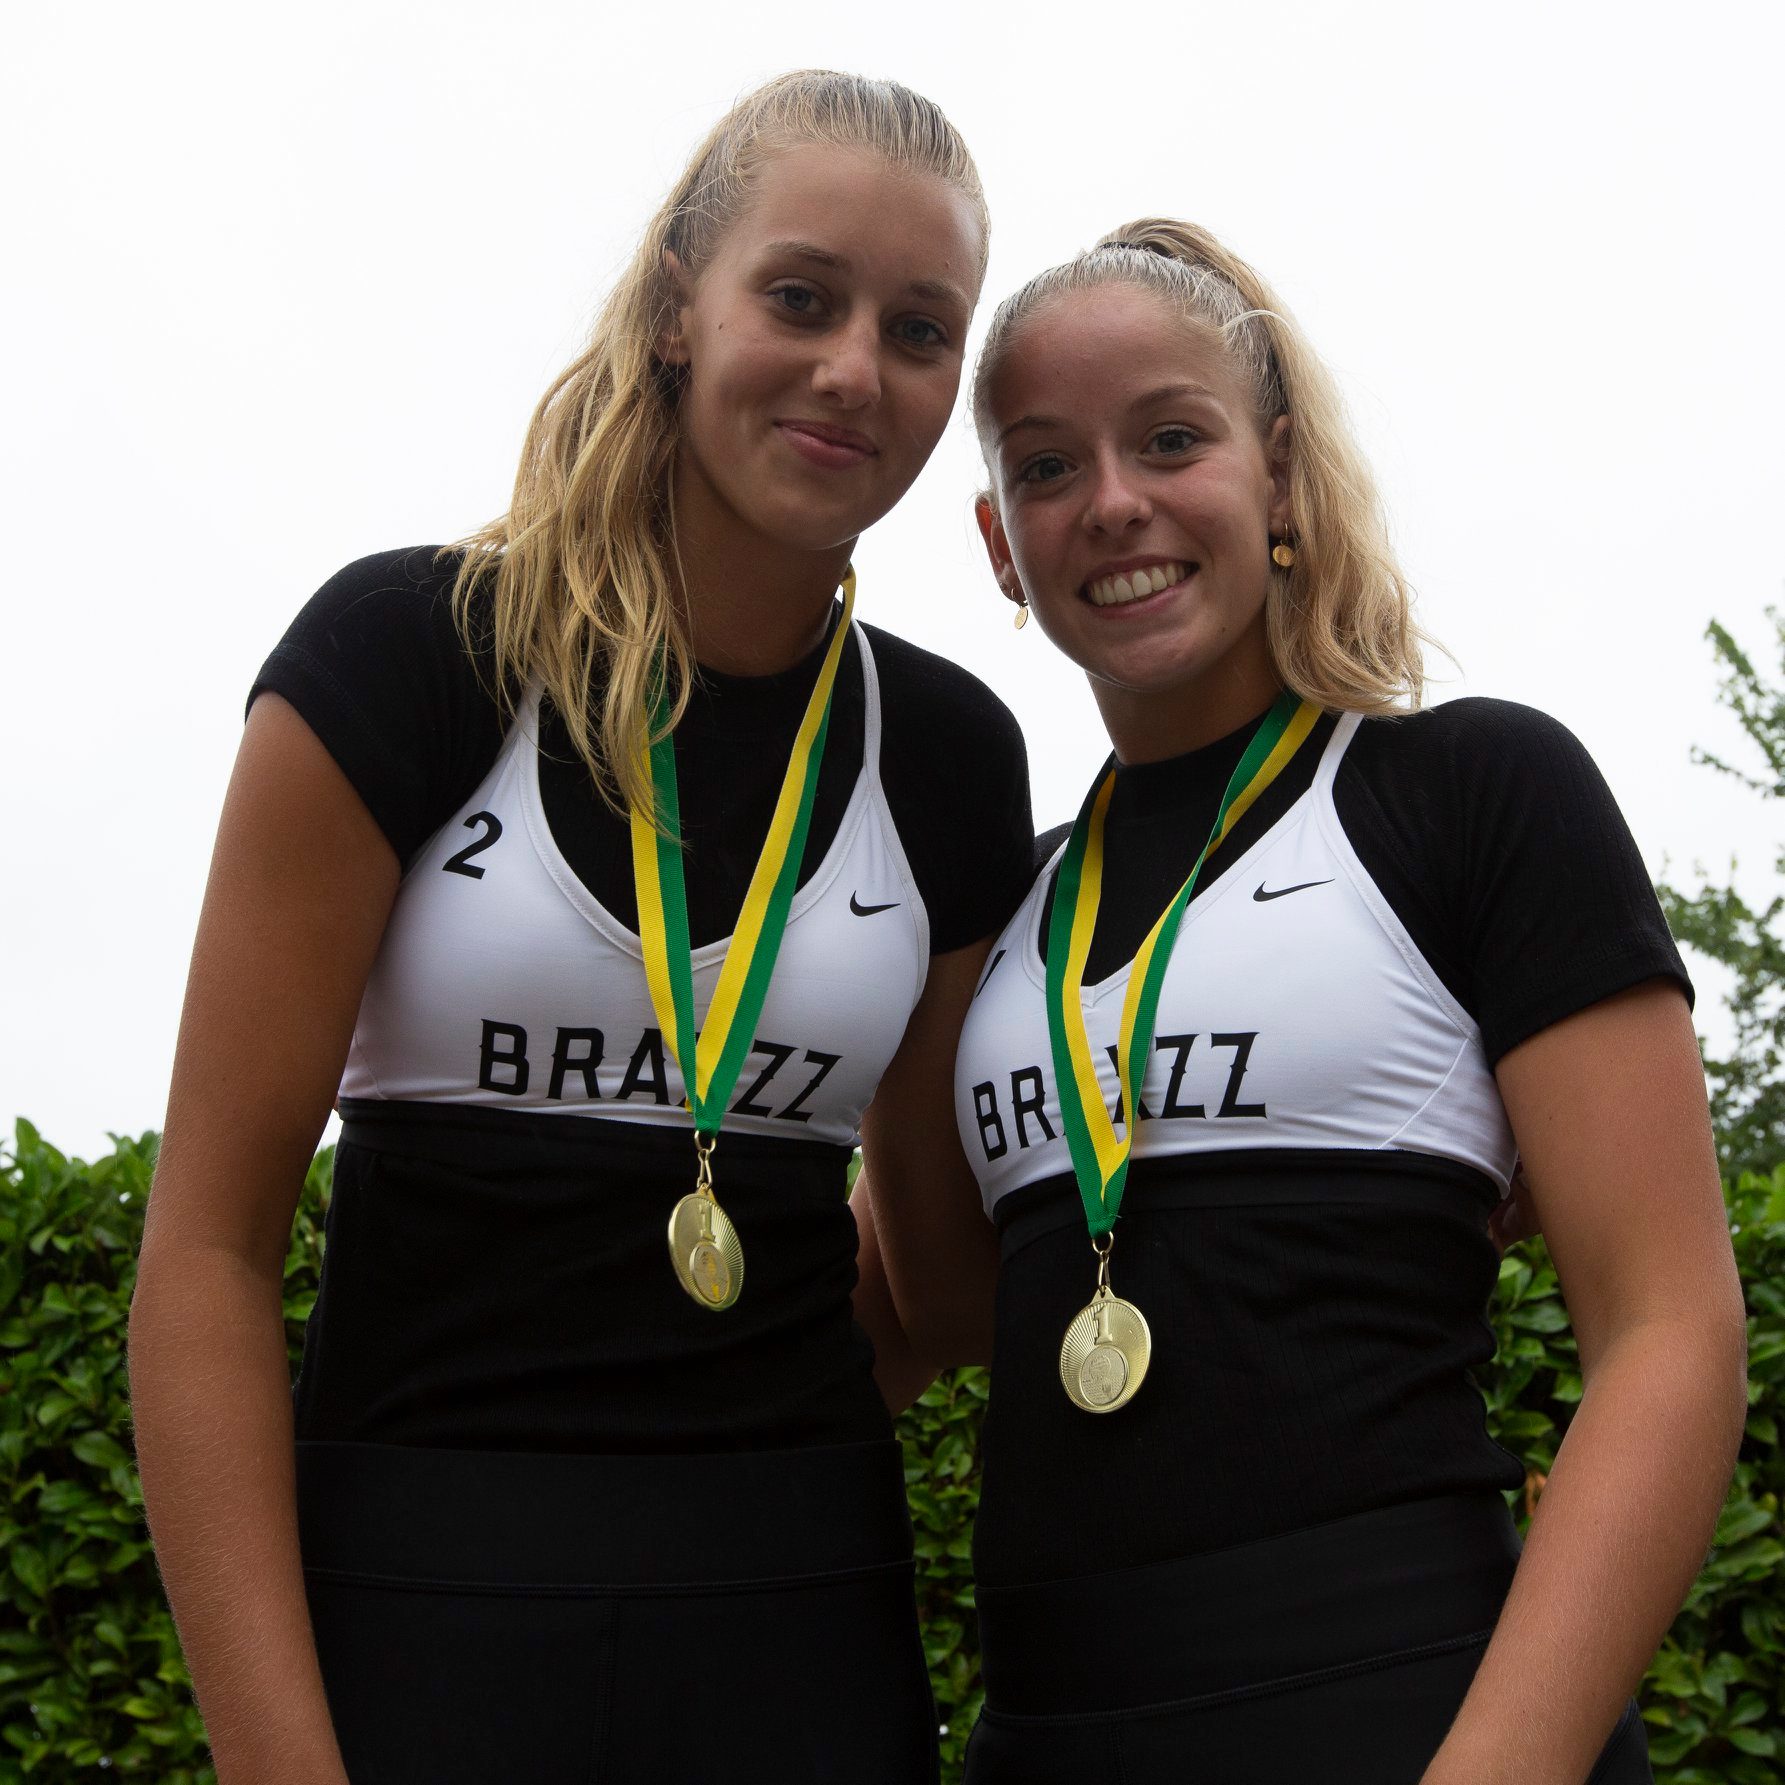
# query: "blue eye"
x,y
1046,467
919,331
800,300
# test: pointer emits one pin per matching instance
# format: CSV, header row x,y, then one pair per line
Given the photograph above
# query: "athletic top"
x,y
566,1026
514,1136
1346,1039
1304,1224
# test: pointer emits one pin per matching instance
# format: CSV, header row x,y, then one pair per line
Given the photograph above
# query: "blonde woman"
x,y
1344,960
606,869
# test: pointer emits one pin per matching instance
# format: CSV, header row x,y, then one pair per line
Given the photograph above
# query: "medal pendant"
x,y
704,1248
1104,1356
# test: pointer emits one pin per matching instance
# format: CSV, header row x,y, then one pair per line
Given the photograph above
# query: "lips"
x,y
824,443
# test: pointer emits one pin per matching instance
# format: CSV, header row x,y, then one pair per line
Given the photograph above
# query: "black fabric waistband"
x,y
1420,1575
422,1516
473,1137
1256,1177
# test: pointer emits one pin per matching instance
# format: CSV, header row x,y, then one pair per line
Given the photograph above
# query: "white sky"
x,y
287,282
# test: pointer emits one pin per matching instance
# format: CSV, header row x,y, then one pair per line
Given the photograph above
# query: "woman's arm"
x,y
929,1257
300,889
1609,1110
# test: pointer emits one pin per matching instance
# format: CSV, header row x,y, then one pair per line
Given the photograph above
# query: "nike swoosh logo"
x,y
1283,892
861,910
993,968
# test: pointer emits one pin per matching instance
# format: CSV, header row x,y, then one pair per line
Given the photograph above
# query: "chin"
x,y
1165,652
808,533
811,526
1144,665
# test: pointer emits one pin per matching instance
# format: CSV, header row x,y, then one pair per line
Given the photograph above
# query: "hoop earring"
x,y
1283,553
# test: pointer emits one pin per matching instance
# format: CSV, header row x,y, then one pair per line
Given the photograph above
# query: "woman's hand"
x,y
899,1373
1516,1217
300,889
929,1257
1609,1110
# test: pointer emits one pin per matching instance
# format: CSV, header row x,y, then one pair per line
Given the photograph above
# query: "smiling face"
x,y
823,345
1135,506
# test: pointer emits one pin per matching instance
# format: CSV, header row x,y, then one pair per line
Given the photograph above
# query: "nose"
x,y
848,369
1114,502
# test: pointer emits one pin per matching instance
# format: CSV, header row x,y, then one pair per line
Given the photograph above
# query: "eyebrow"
x,y
1165,393
937,291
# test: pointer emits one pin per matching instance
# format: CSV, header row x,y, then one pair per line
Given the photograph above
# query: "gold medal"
x,y
703,1247
1104,1356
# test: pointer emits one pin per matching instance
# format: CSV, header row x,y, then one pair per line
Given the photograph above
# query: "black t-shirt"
x,y
498,1279
1316,1312
1485,824
377,666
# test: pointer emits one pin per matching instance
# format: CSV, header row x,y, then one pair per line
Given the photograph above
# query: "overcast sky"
x,y
287,282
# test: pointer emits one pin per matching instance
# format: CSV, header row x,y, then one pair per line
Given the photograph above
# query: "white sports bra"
x,y
1296,1012
502,982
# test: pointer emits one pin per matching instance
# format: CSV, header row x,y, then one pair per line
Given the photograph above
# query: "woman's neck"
x,y
1153,725
754,606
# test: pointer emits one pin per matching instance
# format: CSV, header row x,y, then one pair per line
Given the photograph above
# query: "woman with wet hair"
x,y
1245,1077
605,868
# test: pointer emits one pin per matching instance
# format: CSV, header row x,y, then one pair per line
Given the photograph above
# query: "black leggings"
x,y
1339,1653
576,1620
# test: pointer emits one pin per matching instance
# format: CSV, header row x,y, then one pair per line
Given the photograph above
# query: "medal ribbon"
x,y
1099,1157
710,1064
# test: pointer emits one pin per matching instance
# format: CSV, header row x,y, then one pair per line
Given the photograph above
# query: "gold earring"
x,y
1283,553
1022,615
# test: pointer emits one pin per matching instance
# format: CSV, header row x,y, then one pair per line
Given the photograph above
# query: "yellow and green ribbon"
x,y
1099,1156
724,1040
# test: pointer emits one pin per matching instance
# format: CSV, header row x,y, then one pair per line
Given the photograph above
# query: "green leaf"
x,y
63,1500
99,1449
30,1569
1541,1317
1666,1750
53,1408
1741,1519
54,1300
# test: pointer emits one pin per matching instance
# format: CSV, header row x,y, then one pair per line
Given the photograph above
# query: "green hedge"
x,y
90,1671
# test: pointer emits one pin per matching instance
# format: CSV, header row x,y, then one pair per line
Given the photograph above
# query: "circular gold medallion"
x,y
1102,1374
703,1247
1104,1356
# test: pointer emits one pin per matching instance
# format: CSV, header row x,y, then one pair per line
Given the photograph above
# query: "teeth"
x,y
1111,591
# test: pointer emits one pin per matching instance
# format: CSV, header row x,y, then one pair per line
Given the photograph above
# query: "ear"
x,y
1276,449
997,548
672,342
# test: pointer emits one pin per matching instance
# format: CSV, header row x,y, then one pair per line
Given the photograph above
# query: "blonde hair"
x,y
582,571
1340,620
